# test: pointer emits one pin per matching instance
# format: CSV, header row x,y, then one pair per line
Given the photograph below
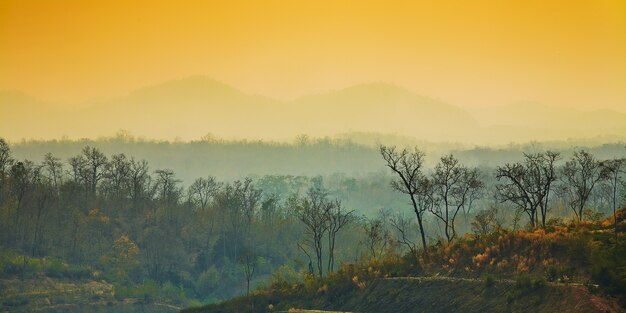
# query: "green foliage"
x,y
556,273
489,281
286,276
208,282
15,302
524,284
593,216
146,291
174,294
59,269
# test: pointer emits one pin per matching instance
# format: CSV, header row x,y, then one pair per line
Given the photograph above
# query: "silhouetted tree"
x,y
579,177
408,166
337,219
614,169
313,211
455,188
202,190
527,185
95,161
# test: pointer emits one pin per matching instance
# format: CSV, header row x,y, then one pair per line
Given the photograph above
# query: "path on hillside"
x,y
462,279
311,311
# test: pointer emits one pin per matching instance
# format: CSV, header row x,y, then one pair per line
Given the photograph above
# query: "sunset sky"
x,y
470,53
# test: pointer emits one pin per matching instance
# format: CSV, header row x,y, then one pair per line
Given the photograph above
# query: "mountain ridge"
x,y
193,106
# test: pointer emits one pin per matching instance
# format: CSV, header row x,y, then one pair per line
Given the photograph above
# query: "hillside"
x,y
566,267
51,295
431,295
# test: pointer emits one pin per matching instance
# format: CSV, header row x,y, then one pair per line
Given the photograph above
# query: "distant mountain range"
x,y
194,106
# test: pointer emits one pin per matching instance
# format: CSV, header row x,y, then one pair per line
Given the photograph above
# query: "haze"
x,y
481,59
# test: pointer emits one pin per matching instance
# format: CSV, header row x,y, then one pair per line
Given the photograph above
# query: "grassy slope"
x,y
545,270
45,294
380,296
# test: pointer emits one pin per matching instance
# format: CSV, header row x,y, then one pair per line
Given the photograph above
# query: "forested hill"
x,y
86,212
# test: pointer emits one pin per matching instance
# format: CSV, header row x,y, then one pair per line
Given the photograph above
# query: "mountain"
x,y
543,122
23,116
186,108
192,107
383,108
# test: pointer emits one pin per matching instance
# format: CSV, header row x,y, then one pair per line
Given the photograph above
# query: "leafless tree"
x,y
5,157
411,181
202,190
456,186
250,198
614,170
43,193
485,221
528,184
139,181
337,219
116,176
546,164
95,162
579,177
313,211
405,232
376,234
78,171
248,260
21,185
54,169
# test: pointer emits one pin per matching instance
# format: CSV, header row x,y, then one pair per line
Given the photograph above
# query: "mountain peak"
x,y
192,85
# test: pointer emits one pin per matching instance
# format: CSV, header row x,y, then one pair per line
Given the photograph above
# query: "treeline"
x,y
531,187
139,227
305,156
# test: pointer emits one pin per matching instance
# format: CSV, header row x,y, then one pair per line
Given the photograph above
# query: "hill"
x,y
543,122
431,295
566,267
192,107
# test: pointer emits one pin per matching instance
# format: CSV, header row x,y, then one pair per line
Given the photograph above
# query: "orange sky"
x,y
470,53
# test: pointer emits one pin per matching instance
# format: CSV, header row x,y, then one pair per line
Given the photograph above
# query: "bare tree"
x,y
248,260
527,185
167,191
78,171
5,157
579,177
116,176
301,247
404,228
43,193
21,185
95,162
376,234
139,180
250,198
313,211
456,187
546,164
337,219
408,166
202,190
614,169
54,169
485,221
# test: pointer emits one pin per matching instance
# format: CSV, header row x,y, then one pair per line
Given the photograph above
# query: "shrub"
x,y
489,281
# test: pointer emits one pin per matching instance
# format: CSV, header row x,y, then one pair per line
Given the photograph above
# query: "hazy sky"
x,y
470,53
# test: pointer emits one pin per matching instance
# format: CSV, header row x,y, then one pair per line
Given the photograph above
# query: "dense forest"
x,y
114,217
